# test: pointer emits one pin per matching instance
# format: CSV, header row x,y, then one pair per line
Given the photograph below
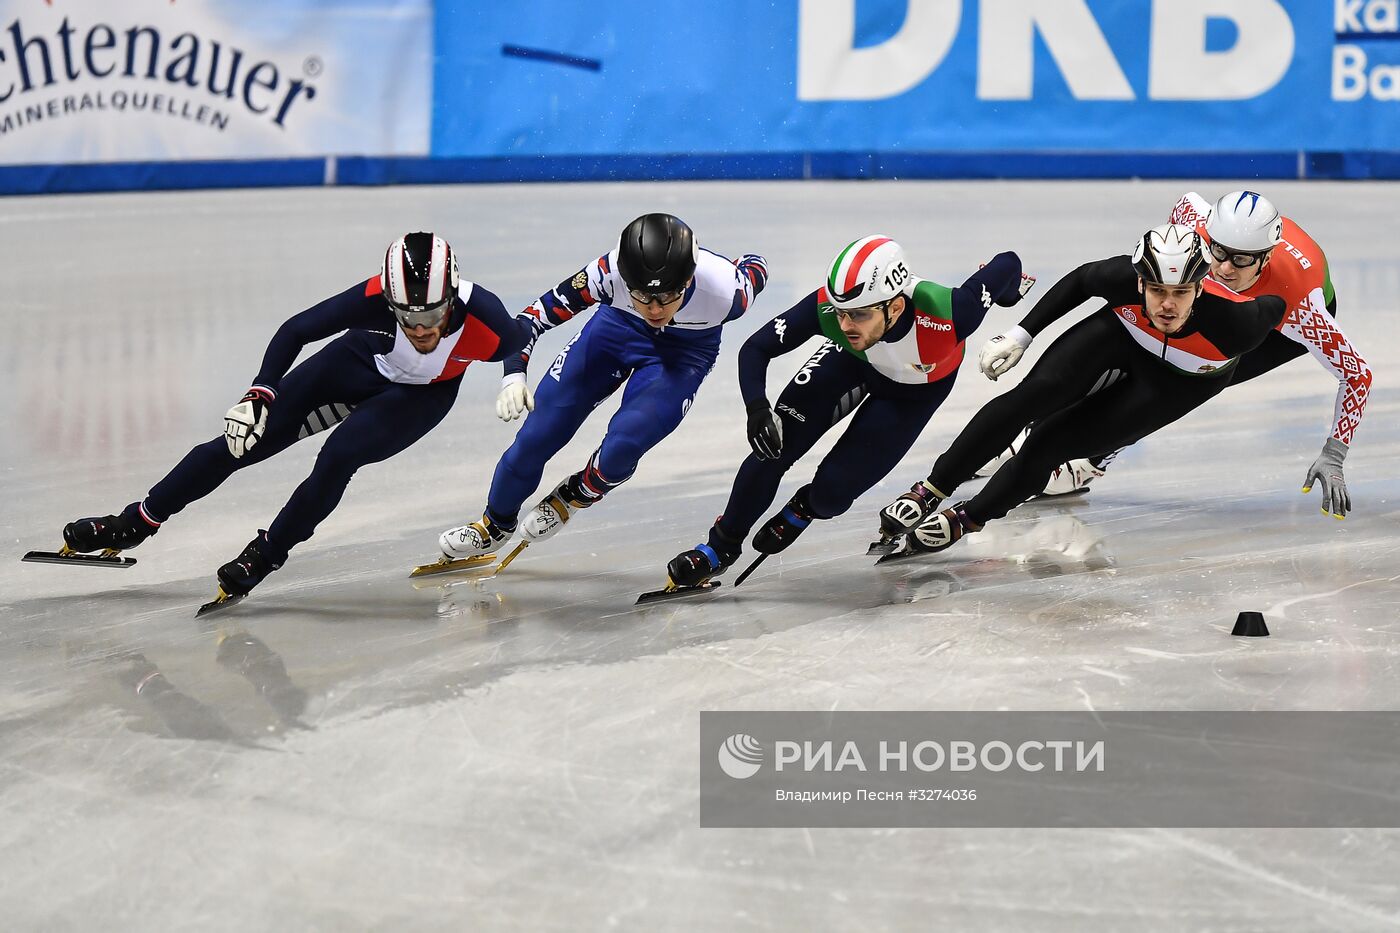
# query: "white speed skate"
x,y
1071,478
478,539
466,546
550,514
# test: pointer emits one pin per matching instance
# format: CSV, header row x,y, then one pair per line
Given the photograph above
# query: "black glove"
x,y
765,431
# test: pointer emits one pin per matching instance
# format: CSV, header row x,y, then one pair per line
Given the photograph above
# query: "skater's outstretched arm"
x,y
1113,280
783,334
584,289
999,282
502,336
361,306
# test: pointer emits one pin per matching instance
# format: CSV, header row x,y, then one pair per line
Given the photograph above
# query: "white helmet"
x,y
869,271
1171,254
1246,222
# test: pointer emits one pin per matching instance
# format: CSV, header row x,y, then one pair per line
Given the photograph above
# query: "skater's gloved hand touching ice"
x,y
765,431
245,422
1003,352
515,398
1327,470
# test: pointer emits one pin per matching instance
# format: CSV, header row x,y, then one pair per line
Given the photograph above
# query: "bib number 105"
x,y
897,276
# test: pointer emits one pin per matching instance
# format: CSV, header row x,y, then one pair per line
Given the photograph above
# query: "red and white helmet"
x,y
420,279
869,271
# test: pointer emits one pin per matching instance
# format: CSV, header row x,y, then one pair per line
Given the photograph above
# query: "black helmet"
x,y
420,278
656,254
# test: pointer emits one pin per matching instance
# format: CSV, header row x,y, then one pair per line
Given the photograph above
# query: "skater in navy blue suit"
x,y
391,378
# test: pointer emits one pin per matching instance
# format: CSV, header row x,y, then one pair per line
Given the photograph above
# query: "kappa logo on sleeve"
x,y
780,328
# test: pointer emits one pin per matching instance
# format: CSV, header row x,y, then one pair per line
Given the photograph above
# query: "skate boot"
x,y
1074,477
941,531
238,577
783,528
478,539
553,511
903,514
696,566
110,532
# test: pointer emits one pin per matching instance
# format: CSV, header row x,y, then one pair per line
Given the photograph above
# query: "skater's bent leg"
x,y
880,434
330,375
1099,425
584,373
834,385
545,431
1068,371
376,430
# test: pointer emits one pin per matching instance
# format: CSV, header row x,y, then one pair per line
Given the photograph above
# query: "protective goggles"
x,y
862,315
411,316
656,298
1238,260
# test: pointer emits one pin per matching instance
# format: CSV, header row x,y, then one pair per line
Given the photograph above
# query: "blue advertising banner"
x,y
185,93
1276,78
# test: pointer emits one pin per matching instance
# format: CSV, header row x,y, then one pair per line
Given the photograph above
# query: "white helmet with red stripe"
x,y
869,271
420,279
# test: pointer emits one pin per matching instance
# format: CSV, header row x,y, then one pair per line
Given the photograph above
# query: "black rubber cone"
x,y
1251,624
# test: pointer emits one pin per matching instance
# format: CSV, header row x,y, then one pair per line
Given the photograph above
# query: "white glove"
x,y
515,398
1001,353
245,422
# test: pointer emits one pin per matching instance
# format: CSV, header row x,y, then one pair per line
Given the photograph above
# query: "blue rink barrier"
x,y
160,176
362,170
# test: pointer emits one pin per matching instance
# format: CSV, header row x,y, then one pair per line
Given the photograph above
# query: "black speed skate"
x,y
938,532
238,577
691,571
784,527
109,534
780,531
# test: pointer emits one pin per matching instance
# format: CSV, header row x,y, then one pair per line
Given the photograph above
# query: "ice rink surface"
x,y
345,750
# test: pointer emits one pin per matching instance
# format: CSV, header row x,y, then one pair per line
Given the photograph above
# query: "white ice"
x,y
522,753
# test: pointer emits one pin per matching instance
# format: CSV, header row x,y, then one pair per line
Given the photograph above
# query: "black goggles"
x,y
1238,260
411,316
656,298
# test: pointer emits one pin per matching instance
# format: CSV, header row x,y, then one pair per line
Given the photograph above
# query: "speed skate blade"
x,y
902,554
451,565
676,592
883,546
750,569
515,552
218,604
1056,497
105,559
